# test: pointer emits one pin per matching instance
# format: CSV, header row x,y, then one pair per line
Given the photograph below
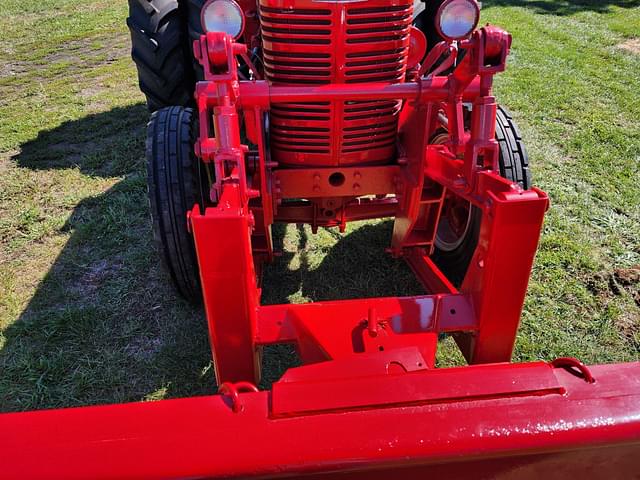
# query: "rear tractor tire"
x,y
459,227
161,50
174,182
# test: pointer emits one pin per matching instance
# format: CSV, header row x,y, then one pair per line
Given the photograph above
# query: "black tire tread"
x,y
173,188
160,49
514,160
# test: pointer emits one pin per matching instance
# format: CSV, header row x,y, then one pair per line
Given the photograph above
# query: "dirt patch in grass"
x,y
628,277
94,93
143,348
95,275
74,151
5,164
632,45
628,324
616,283
108,48
70,59
617,287
10,69
71,153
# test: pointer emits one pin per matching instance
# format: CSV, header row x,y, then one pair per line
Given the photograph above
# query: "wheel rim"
x,y
455,218
454,223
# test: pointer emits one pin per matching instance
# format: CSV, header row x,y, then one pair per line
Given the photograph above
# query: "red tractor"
x,y
388,44
324,112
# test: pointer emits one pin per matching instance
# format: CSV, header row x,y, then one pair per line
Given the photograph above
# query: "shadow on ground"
x,y
357,266
563,7
105,325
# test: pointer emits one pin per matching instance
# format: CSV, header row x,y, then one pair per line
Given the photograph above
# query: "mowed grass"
x,y
87,314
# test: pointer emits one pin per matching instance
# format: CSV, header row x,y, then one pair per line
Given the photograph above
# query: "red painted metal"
x,y
335,43
495,421
368,400
417,50
341,182
346,345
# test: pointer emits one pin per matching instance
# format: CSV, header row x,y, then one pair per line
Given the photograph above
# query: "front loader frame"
x,y
483,314
367,402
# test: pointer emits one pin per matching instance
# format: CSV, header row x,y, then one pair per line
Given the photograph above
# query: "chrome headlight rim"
x,y
473,9
233,7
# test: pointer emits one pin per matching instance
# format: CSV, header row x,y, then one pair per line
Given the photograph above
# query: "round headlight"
x,y
456,19
222,16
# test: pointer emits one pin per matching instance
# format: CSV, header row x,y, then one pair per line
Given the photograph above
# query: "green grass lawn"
x,y
86,313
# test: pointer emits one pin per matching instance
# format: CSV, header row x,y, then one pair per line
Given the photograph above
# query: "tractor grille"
x,y
316,43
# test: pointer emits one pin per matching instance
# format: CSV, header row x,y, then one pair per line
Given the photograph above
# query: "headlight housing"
x,y
457,19
222,16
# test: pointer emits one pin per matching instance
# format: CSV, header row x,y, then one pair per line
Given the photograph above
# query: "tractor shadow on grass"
x,y
563,7
355,266
104,324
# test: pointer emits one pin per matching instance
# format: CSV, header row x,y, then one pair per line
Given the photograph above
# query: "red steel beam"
x,y
589,431
334,321
261,94
358,209
322,182
428,273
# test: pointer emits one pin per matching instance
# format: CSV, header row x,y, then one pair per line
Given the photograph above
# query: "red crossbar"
x,y
512,421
